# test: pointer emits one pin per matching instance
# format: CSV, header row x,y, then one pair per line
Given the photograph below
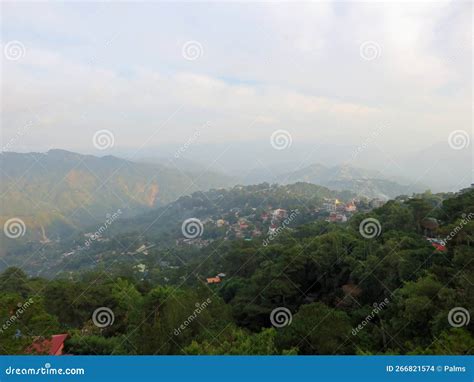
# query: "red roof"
x,y
439,247
53,346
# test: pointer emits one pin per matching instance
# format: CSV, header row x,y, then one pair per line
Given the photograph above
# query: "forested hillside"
x,y
317,288
238,212
59,192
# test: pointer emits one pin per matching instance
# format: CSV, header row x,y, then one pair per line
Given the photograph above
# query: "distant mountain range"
x,y
366,183
370,184
437,167
58,191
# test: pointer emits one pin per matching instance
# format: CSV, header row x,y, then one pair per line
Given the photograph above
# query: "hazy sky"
x,y
153,73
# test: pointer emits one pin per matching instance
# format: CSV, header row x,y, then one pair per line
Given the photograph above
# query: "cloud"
x,y
272,66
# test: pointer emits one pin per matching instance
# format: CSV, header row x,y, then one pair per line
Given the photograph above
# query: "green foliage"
x,y
328,275
95,345
318,329
236,341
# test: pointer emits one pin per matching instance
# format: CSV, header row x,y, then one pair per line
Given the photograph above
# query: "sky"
x,y
164,74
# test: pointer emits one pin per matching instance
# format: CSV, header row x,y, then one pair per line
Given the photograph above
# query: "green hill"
x,y
58,191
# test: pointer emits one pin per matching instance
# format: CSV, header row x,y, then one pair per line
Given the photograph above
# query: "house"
x,y
46,346
438,244
243,223
280,213
213,280
141,249
140,267
221,275
439,247
351,207
329,206
272,229
336,218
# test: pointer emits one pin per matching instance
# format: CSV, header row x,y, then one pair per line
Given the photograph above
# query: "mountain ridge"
x,y
74,190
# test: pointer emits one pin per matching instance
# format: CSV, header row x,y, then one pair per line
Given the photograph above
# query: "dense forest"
x,y
316,288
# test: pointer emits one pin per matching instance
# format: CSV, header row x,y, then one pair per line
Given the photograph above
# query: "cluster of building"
x,y
339,212
253,226
244,229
